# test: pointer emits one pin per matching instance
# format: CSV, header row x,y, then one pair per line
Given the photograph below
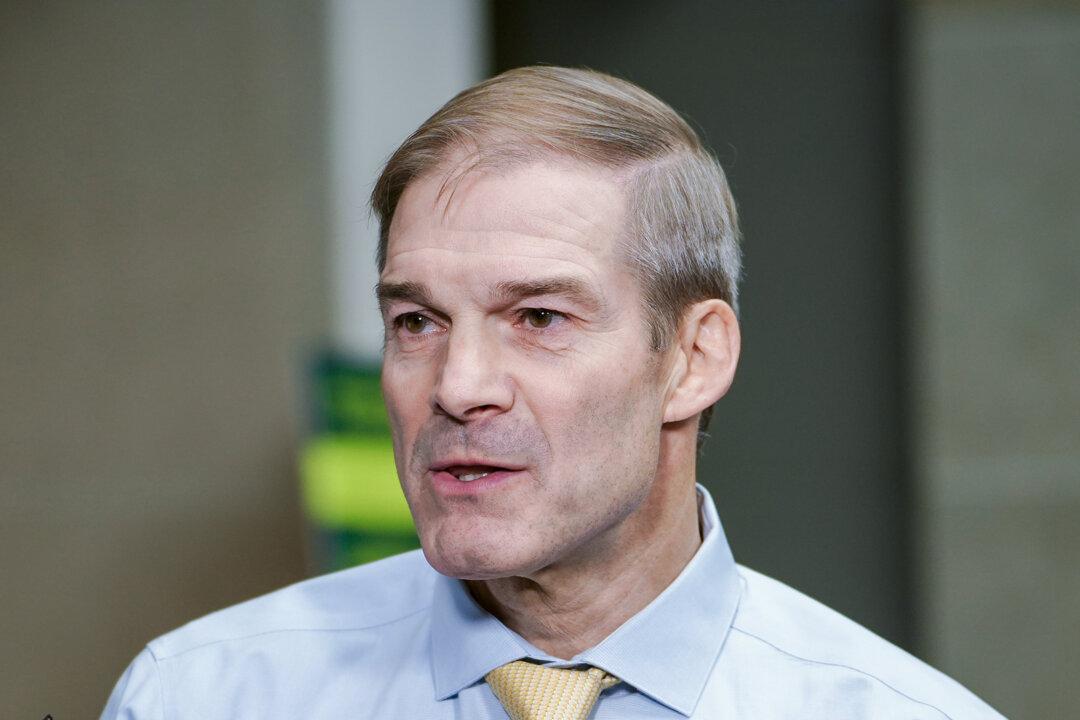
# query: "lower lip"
x,y
448,485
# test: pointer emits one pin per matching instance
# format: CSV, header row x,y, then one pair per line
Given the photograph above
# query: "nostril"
x,y
482,410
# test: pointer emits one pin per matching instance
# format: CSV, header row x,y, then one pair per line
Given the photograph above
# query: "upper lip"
x,y
443,464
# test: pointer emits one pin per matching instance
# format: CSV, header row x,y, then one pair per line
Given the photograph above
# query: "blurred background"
x,y
189,347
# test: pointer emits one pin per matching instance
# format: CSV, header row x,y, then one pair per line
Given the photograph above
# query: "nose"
x,y
472,382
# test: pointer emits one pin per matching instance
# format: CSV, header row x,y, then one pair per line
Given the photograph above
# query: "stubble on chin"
x,y
474,538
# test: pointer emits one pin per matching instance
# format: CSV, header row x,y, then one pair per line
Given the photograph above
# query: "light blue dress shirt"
x,y
397,641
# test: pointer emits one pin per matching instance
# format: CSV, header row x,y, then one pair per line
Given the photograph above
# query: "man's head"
x,y
558,263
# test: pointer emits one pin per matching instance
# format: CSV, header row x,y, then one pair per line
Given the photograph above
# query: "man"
x,y
558,259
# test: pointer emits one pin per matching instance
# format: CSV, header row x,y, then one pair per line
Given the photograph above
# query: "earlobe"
x,y
709,343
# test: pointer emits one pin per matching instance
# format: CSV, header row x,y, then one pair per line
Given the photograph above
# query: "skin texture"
x,y
514,334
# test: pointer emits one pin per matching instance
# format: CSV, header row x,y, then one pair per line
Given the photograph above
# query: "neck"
x,y
570,606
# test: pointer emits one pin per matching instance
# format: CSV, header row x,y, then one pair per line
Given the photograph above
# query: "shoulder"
x,y
324,640
792,630
360,598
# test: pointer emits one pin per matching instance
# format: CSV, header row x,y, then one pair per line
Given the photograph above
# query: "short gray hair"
x,y
682,236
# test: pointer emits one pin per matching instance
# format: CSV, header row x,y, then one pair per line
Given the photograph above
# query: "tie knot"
x,y
535,692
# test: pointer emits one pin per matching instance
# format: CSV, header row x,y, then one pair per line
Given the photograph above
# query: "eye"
x,y
414,323
539,318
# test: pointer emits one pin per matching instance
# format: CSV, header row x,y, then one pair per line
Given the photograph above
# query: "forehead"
x,y
562,212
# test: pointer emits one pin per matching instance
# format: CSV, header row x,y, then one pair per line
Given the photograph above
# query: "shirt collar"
x,y
666,651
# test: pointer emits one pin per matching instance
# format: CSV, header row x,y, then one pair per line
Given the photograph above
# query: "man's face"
x,y
516,347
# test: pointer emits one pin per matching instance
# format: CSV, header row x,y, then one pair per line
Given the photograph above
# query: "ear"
x,y
707,351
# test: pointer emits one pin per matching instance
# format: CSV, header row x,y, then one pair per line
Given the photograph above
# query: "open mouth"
x,y
466,476
469,473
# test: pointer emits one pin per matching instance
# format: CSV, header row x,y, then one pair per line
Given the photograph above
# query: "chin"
x,y
476,561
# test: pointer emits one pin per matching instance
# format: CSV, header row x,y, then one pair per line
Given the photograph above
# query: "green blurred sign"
x,y
349,483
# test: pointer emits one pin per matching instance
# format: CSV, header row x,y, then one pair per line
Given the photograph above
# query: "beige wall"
x,y
996,170
162,230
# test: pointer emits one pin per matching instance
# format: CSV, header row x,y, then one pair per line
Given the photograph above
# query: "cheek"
x,y
406,399
407,378
607,430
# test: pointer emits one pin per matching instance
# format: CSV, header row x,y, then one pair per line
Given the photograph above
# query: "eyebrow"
x,y
503,293
387,293
575,290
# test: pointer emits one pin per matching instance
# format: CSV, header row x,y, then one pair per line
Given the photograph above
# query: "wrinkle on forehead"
x,y
480,271
539,203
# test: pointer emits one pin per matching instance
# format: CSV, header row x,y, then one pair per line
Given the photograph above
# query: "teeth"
x,y
469,477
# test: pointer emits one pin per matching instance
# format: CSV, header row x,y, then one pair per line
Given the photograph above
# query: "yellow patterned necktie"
x,y
534,692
